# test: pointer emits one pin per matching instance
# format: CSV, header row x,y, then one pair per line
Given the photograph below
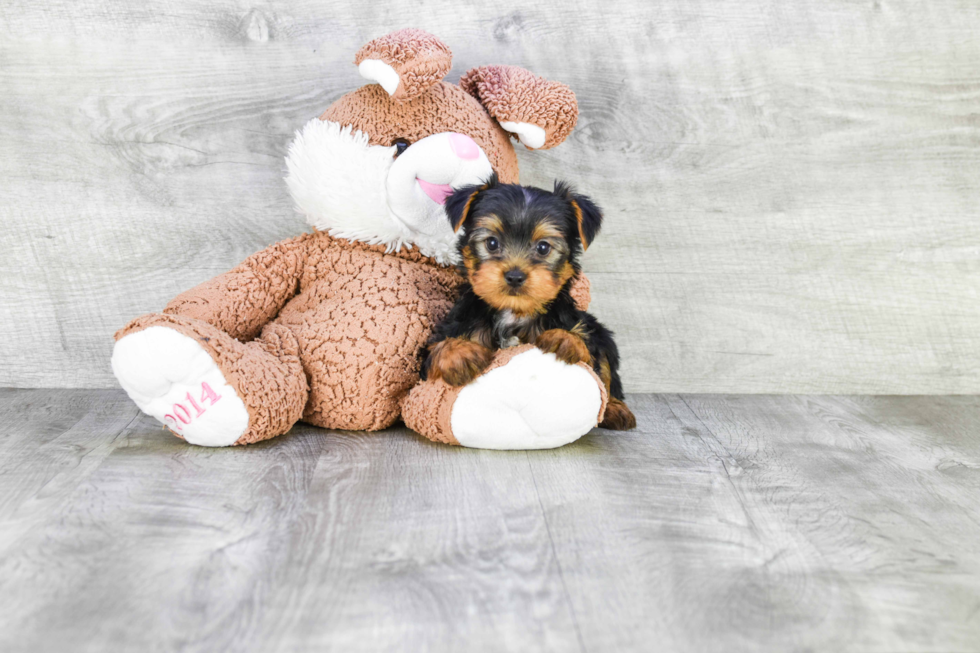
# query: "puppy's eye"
x,y
492,244
400,146
543,248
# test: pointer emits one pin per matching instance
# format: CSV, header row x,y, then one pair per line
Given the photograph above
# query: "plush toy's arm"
x,y
581,292
240,302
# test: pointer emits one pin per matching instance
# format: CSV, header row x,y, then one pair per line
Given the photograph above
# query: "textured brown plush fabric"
x,y
428,409
511,93
581,292
242,301
419,58
444,108
357,318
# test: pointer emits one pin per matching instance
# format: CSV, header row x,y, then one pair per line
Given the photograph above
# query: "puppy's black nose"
x,y
514,277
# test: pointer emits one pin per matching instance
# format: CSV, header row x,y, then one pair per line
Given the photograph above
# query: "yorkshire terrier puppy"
x,y
520,254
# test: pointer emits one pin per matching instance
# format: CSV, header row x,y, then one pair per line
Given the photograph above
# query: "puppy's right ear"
x,y
460,203
588,216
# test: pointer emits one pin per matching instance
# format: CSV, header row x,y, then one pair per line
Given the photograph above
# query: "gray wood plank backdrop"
x,y
791,188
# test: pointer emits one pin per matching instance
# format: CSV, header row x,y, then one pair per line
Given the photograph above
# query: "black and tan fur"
x,y
520,254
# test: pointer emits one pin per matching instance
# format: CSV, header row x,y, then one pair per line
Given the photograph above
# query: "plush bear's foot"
x,y
526,399
208,387
171,377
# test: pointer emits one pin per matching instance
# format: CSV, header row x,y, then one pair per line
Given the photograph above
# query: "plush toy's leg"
x,y
526,399
207,387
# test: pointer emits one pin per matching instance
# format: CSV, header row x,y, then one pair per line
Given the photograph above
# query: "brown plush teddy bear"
x,y
327,327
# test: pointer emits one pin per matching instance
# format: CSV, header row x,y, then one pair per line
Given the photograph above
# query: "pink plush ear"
x,y
541,113
405,63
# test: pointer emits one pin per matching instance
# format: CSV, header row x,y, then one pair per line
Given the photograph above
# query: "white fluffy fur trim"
x,y
338,180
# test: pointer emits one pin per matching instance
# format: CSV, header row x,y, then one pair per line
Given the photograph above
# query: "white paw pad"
x,y
172,378
534,401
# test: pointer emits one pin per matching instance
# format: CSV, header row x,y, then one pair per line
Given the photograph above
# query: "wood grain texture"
x,y
723,523
791,191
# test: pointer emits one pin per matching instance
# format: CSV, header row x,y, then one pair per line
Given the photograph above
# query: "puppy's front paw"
x,y
458,361
567,346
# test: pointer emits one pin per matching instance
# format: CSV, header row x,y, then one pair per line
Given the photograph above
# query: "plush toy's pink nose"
x,y
464,146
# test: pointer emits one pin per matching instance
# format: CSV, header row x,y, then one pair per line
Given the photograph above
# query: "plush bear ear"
x,y
405,63
588,216
539,112
458,204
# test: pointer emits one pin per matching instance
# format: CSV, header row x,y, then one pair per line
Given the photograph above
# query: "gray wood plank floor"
x,y
724,523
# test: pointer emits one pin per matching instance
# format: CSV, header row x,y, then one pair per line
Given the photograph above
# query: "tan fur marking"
x,y
457,361
541,286
580,330
578,219
567,272
483,337
469,260
490,223
466,209
545,230
605,373
567,346
489,284
516,261
618,416
469,204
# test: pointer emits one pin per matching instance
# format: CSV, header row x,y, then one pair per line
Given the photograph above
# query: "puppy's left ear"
x,y
460,203
588,215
